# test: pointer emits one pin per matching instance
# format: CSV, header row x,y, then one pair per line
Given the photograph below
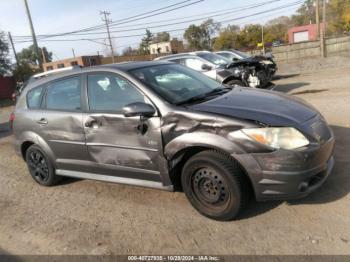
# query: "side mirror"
x,y
206,67
138,109
235,59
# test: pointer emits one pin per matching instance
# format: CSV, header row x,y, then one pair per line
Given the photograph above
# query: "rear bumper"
x,y
283,175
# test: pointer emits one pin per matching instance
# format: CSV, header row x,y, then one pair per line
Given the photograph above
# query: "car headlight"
x,y
277,137
237,72
266,62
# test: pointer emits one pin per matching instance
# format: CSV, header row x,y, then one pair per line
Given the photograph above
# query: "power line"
x,y
180,29
99,27
182,22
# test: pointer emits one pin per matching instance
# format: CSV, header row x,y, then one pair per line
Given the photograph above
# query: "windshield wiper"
x,y
217,91
203,97
192,100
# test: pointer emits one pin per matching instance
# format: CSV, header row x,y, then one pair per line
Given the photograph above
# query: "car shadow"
x,y
337,185
286,88
309,91
278,77
7,257
5,130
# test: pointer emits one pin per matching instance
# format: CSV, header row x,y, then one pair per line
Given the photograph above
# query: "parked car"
x,y
165,126
219,68
266,68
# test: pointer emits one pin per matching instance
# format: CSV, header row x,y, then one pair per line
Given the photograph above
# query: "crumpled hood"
x,y
268,107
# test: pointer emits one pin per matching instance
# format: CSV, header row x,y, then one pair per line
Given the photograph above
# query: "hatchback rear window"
x,y
34,97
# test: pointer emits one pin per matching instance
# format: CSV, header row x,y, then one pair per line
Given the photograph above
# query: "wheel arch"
x,y
179,150
200,139
31,138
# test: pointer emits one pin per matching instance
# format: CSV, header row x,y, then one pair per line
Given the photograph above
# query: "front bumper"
x,y
283,174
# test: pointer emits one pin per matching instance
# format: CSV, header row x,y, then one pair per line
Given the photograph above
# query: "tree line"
x,y
211,35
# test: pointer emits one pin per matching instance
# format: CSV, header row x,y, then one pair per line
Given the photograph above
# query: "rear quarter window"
x,y
34,97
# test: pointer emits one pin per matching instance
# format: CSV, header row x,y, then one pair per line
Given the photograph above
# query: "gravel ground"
x,y
88,217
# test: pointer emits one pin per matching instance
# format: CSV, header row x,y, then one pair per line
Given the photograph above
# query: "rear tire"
x,y
40,167
215,185
235,82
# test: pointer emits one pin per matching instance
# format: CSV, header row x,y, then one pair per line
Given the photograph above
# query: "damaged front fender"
x,y
200,139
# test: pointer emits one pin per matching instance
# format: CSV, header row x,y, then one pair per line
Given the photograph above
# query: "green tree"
x,y
305,15
277,29
145,42
161,37
200,37
28,55
210,27
338,16
5,63
250,35
195,35
24,71
228,38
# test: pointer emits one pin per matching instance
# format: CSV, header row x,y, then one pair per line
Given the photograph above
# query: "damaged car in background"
x,y
264,65
165,126
222,69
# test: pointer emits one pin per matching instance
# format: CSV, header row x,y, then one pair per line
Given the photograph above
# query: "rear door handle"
x,y
42,121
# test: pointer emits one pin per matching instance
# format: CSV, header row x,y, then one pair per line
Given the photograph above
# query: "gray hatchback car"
x,y
165,126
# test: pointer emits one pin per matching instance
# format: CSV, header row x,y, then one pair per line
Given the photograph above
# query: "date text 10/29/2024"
x,y
173,258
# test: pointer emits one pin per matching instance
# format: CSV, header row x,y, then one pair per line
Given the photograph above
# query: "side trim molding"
x,y
124,147
68,142
113,179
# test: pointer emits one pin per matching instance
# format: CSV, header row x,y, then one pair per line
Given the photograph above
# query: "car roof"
x,y
181,55
124,66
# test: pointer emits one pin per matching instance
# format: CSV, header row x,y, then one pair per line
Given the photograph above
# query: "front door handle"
x,y
42,121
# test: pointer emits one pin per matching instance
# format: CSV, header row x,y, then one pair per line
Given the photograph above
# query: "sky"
x,y
57,16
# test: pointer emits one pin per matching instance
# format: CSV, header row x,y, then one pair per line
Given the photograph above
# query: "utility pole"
x,y
262,39
73,52
43,55
323,30
107,21
33,35
317,7
13,48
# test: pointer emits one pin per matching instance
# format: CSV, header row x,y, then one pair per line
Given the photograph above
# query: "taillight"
x,y
12,119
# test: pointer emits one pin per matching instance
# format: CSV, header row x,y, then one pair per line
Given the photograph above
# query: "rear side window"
x,y
226,55
194,63
34,97
64,95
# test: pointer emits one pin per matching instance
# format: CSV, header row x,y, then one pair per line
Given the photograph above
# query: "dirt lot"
x,y
88,217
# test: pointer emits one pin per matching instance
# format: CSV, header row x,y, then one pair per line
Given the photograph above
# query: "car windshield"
x,y
241,54
214,58
177,84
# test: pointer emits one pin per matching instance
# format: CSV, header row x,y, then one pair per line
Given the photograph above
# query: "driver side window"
x,y
107,92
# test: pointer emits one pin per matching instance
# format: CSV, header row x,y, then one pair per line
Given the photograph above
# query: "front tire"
x,y
40,167
215,185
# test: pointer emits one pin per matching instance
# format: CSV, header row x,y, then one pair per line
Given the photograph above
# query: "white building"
x,y
171,47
